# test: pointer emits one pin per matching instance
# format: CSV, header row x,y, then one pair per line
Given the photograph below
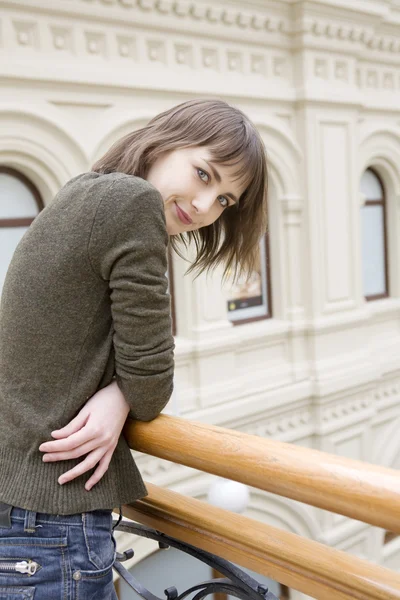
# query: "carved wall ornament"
x,y
202,12
210,58
378,78
281,424
184,54
156,51
88,43
345,33
387,390
252,21
279,66
126,46
372,79
341,70
388,81
235,61
343,409
26,34
321,68
258,64
62,38
95,43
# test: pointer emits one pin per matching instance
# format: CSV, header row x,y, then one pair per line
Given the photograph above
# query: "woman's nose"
x,y
202,204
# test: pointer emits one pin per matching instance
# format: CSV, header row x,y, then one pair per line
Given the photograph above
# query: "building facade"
x,y
308,351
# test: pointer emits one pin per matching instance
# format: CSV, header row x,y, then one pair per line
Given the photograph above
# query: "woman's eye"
x,y
203,175
224,202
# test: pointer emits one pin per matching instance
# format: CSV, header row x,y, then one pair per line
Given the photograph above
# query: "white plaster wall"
x,y
322,83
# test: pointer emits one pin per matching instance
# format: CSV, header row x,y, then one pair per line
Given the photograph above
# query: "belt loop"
x,y
30,521
5,515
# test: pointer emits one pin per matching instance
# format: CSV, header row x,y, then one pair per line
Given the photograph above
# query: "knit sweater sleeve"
x,y
128,249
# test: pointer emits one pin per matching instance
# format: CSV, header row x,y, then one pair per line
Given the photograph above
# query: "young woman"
x,y
85,333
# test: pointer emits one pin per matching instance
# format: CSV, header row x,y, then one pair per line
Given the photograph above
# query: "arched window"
x,y
20,203
252,300
374,237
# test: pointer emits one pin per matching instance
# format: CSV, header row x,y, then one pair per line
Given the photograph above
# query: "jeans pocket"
x,y
99,539
31,563
17,593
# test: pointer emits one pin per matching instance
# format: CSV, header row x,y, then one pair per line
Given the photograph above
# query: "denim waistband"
x,y
22,514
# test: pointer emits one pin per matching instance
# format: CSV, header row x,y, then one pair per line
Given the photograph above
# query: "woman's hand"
x,y
94,431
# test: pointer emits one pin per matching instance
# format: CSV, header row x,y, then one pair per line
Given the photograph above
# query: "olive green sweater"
x,y
85,298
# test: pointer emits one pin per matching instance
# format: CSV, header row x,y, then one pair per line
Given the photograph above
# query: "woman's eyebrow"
x,y
218,178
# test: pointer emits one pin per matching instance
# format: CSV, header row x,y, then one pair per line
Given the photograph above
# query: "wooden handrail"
x,y
349,487
302,564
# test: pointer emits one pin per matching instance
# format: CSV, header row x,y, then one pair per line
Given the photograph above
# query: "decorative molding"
x,y
283,423
258,21
234,58
127,46
203,13
387,394
364,37
87,44
62,38
339,410
26,34
364,75
379,77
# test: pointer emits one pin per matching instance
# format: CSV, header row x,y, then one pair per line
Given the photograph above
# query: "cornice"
x,y
362,36
362,28
366,25
229,16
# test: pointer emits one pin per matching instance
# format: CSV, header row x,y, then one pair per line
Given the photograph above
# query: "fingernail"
x,y
44,459
61,481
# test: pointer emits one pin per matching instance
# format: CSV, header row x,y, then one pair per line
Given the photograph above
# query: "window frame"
x,y
22,222
382,203
267,273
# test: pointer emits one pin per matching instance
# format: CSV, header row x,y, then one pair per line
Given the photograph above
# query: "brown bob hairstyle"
x,y
232,140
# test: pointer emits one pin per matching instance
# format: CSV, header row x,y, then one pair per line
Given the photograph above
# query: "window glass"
x,y
371,186
9,239
16,199
373,250
249,299
18,208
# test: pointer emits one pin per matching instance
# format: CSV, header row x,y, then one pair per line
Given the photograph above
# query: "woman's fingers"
x,y
75,425
99,472
75,453
69,443
90,461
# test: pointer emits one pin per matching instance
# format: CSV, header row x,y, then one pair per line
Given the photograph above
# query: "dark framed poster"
x,y
250,298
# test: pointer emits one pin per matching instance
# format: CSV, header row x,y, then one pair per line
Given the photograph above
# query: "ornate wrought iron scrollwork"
x,y
235,583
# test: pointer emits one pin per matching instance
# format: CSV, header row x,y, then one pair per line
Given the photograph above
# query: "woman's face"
x,y
195,190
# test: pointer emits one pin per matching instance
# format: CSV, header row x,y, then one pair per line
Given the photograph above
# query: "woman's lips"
x,y
184,217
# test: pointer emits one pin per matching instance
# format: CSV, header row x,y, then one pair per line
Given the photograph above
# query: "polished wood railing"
x,y
358,490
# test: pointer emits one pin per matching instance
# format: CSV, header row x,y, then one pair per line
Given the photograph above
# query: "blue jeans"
x,y
57,557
